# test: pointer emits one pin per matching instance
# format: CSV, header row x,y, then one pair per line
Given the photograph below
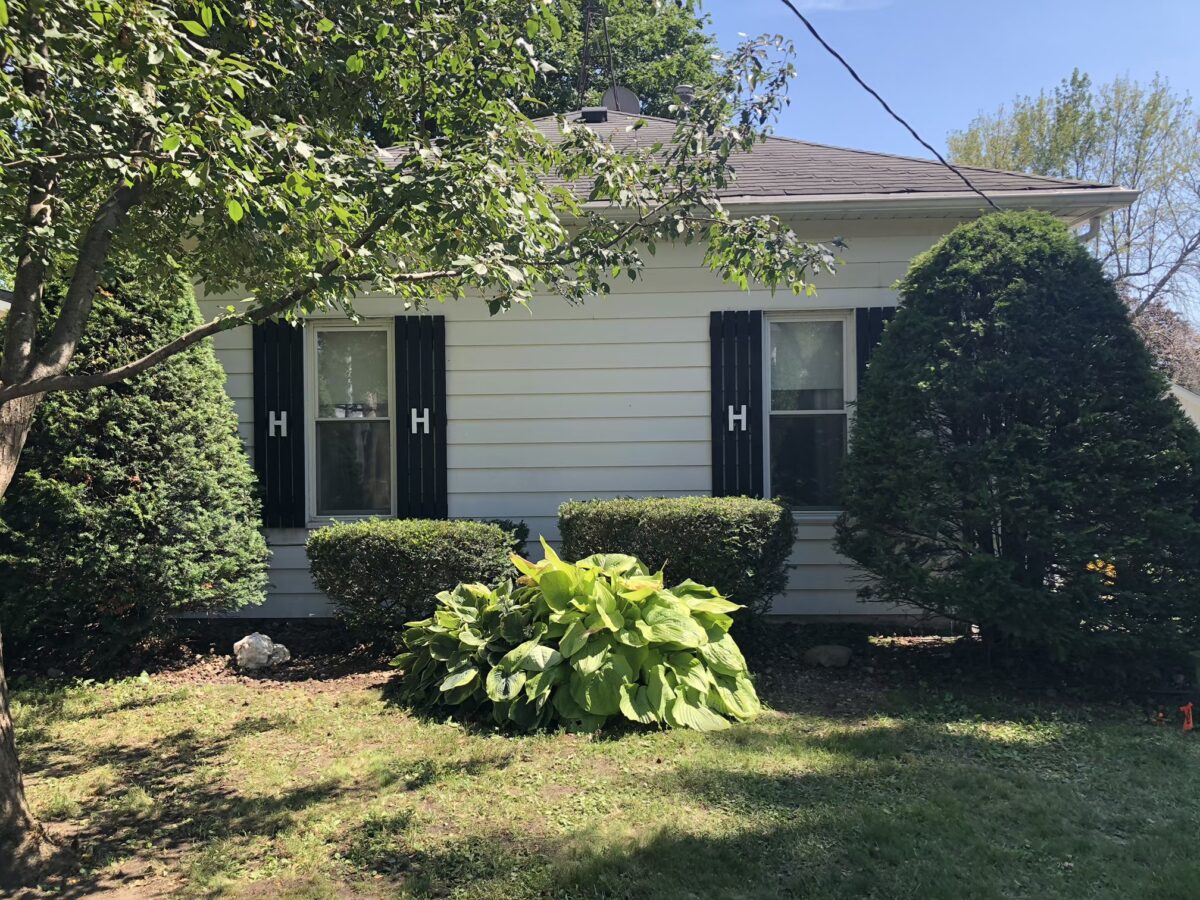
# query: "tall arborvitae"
x,y
132,502
1016,461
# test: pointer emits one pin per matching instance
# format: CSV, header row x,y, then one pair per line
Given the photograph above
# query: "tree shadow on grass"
x,y
166,797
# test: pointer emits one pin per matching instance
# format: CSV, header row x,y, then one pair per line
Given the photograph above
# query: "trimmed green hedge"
x,y
737,544
381,573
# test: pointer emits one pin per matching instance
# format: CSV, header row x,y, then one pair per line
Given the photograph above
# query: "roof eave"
x,y
1082,203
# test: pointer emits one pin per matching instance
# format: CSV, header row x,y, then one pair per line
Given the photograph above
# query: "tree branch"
x,y
1181,260
30,275
63,382
97,156
93,253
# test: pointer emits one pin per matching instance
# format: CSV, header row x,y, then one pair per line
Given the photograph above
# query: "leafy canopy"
x,y
231,142
580,644
1141,136
656,47
1014,462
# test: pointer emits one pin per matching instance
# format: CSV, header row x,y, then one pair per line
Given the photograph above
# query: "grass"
x,y
327,790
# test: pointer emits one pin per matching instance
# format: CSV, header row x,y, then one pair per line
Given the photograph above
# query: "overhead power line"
x,y
891,112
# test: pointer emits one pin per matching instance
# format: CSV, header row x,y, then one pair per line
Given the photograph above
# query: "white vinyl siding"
x,y
602,400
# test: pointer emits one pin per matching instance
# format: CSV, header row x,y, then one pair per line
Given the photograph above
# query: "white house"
x,y
1189,400
675,384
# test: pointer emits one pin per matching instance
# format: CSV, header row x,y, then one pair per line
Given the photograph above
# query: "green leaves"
x,y
459,679
502,685
724,656
578,645
234,208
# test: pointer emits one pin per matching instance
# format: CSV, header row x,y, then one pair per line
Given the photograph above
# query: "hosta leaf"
x,y
459,679
715,624
522,713
540,658
502,685
635,704
539,686
574,639
513,627
632,649
471,638
558,588
460,694
634,656
659,692
525,567
637,595
592,656
616,564
548,551
702,599
606,608
513,658
572,713
631,636
669,626
599,692
735,697
698,717
724,656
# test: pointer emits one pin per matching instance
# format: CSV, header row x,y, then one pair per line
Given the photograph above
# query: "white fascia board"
x,y
1085,200
1079,203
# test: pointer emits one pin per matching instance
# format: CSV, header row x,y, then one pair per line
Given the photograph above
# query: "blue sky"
x,y
940,62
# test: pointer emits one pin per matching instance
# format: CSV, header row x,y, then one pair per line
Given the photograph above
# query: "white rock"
x,y
832,656
257,651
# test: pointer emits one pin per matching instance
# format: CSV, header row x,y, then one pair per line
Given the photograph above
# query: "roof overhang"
x,y
1075,205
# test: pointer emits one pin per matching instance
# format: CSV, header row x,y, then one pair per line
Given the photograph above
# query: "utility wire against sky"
x,y
891,112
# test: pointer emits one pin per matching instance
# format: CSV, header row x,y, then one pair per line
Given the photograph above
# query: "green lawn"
x,y
848,789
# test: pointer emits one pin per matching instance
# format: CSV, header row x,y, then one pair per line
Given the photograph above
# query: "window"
x,y
807,383
353,437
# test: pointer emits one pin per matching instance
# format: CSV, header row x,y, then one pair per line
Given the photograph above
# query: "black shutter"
x,y
421,417
868,330
737,403
279,422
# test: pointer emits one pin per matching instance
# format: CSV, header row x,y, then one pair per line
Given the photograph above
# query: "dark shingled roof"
x,y
783,167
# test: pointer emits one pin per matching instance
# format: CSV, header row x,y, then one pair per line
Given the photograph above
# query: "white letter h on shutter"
x,y
741,417
277,420
422,419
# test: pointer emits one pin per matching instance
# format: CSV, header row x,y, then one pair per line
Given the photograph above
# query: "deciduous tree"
x,y
1141,136
227,142
656,47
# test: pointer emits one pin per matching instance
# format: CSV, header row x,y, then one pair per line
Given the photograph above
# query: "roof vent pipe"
x,y
686,93
594,114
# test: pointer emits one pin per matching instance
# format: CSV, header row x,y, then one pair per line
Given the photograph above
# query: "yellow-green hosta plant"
x,y
578,644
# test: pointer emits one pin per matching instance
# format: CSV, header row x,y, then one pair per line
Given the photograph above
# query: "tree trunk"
x,y
23,844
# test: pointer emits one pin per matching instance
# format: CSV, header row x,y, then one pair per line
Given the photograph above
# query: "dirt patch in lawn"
x,y
317,674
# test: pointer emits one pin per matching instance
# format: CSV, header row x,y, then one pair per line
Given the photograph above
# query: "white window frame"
x,y
312,326
848,319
